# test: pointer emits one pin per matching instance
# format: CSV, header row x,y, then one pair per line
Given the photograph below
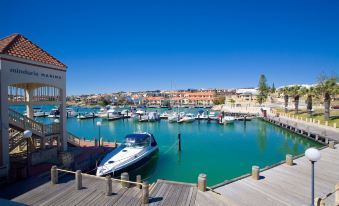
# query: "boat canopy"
x,y
143,139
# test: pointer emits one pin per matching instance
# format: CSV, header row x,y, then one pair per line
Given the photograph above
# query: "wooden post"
x,y
335,125
326,123
337,193
255,172
108,185
289,159
331,144
54,175
138,180
95,142
318,121
78,180
124,177
179,142
202,182
145,193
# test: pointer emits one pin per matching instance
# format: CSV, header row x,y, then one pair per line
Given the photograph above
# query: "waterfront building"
x,y
29,76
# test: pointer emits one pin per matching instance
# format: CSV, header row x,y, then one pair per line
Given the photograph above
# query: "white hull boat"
x,y
188,118
133,153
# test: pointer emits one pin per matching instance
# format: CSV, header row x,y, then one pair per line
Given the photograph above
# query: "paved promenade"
x,y
287,185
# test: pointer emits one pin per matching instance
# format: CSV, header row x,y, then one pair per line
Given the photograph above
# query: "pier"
x,y
76,188
312,130
286,184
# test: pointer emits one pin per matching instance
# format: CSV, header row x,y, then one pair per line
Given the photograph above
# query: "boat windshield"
x,y
137,140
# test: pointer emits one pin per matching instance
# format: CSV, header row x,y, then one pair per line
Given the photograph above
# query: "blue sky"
x,y
144,45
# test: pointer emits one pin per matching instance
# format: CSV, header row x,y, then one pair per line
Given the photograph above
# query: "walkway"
x,y
286,185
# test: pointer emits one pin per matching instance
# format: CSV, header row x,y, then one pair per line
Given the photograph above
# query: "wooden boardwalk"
x,y
93,193
287,185
309,129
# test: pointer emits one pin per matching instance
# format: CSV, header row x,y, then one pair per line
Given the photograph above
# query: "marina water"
x,y
222,152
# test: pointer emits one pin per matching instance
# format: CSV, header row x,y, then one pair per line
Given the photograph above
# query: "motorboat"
x,y
113,114
88,115
71,113
187,118
54,113
174,117
153,116
201,115
136,150
226,120
164,115
126,113
212,115
102,112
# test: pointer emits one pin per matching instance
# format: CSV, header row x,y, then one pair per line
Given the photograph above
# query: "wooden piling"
x,y
138,180
202,178
54,175
255,172
108,185
145,193
78,180
179,142
124,177
95,142
289,159
331,144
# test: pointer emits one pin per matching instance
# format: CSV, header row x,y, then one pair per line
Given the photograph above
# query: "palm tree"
x,y
309,92
294,91
286,92
328,88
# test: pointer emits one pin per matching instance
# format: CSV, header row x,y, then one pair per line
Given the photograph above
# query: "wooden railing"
x,y
25,123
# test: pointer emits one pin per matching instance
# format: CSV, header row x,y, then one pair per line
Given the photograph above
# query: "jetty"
x,y
76,188
287,183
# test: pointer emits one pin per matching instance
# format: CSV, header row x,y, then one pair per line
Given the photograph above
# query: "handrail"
x,y
102,178
36,127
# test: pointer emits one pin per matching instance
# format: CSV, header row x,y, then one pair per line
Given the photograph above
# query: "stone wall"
x,y
45,156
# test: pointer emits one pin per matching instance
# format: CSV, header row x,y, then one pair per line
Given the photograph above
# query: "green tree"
x,y
328,88
310,93
263,89
219,100
295,92
273,89
286,92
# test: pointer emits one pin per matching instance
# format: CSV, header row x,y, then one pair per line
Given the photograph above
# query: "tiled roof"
x,y
19,46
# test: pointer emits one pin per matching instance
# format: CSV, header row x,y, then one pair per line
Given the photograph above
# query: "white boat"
x,y
126,113
212,115
134,152
201,115
113,114
54,113
153,116
227,120
174,117
187,118
71,113
102,113
88,115
164,115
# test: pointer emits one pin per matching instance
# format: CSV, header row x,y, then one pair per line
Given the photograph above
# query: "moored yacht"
x,y
226,120
55,113
187,118
88,115
113,114
135,151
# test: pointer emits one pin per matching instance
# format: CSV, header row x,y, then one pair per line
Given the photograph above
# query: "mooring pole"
x,y
179,142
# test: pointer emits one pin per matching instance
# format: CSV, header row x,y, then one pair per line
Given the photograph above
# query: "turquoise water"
x,y
222,152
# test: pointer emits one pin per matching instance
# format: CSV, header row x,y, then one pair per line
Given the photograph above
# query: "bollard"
x,y
318,121
108,185
335,125
331,144
255,172
138,180
317,137
319,202
145,193
101,142
289,159
124,177
54,175
326,123
78,180
202,182
337,194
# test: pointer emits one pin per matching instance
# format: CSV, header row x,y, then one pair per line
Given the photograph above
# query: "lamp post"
x,y
27,135
99,125
313,155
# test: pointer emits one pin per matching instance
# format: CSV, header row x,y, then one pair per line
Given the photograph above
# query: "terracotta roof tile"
x,y
19,46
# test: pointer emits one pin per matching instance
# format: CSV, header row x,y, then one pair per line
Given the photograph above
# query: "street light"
x,y
27,135
313,155
99,125
56,121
